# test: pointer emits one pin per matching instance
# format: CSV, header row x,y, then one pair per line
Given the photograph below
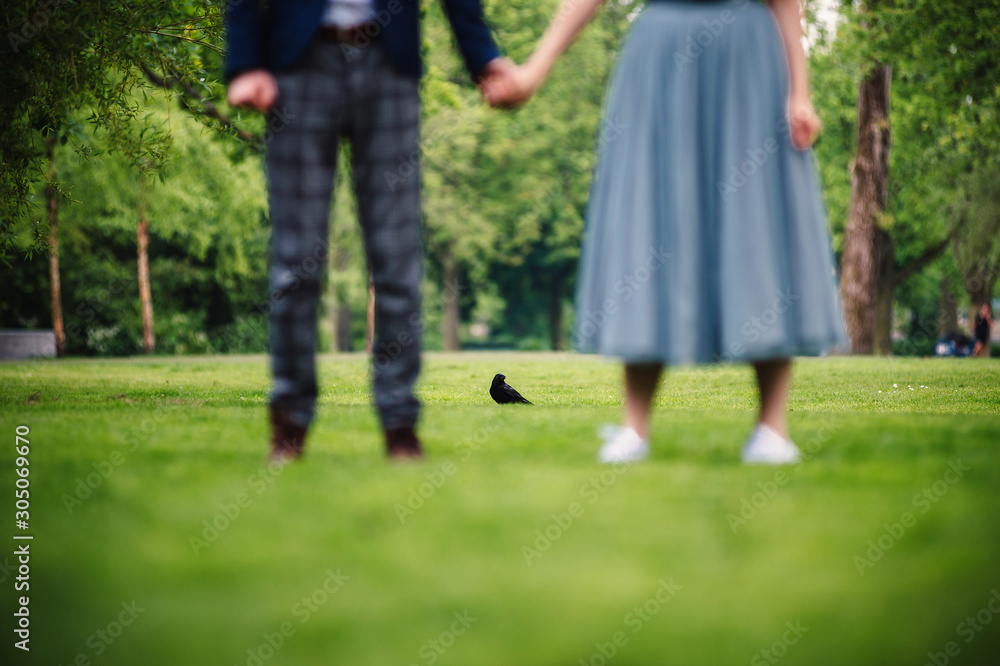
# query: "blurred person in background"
x,y
981,331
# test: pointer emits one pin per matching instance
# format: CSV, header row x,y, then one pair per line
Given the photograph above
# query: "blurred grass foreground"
x,y
162,537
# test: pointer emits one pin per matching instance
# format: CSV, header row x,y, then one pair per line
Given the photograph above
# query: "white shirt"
x,y
348,13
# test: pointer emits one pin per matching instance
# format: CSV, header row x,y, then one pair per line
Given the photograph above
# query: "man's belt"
x,y
362,33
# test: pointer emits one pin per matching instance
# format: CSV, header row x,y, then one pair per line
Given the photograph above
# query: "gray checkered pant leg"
x,y
339,91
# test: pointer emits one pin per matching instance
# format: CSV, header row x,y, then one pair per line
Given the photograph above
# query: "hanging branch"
x,y
211,110
927,256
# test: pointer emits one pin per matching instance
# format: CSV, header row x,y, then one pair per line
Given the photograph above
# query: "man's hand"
x,y
506,85
255,88
803,123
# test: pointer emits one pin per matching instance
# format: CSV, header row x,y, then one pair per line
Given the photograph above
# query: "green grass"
x,y
183,441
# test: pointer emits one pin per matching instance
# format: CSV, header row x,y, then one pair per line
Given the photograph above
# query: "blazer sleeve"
x,y
243,38
475,42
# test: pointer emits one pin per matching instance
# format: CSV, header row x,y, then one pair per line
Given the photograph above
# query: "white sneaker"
x,y
621,445
767,447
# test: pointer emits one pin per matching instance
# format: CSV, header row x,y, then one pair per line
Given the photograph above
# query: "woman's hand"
x,y
803,123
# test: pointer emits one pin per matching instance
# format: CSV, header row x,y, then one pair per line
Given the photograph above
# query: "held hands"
x,y
803,123
505,85
502,84
255,88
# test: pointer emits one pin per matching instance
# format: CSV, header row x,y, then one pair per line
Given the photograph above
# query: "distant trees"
x,y
120,154
67,61
81,76
939,64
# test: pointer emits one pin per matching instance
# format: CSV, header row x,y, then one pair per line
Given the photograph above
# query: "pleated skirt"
x,y
706,236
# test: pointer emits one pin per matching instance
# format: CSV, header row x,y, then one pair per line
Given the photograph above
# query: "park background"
x,y
162,536
119,150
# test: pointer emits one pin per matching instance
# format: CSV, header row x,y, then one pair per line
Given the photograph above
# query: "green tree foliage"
x,y
62,59
945,95
977,249
207,249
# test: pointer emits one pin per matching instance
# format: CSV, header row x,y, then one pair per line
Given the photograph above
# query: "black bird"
x,y
503,393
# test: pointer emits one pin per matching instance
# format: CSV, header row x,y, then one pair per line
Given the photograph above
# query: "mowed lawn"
x,y
161,536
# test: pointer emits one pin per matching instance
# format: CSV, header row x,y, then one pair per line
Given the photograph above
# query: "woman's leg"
x,y
641,380
773,378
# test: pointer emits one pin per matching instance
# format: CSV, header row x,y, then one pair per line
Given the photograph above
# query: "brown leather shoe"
x,y
402,444
287,438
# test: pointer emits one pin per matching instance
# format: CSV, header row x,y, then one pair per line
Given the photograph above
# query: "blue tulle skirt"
x,y
706,236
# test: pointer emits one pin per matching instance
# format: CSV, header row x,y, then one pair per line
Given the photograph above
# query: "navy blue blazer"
x,y
277,38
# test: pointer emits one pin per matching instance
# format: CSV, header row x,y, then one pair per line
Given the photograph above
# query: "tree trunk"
x,y
370,328
885,287
341,311
947,310
145,292
56,287
342,328
556,314
449,322
869,185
